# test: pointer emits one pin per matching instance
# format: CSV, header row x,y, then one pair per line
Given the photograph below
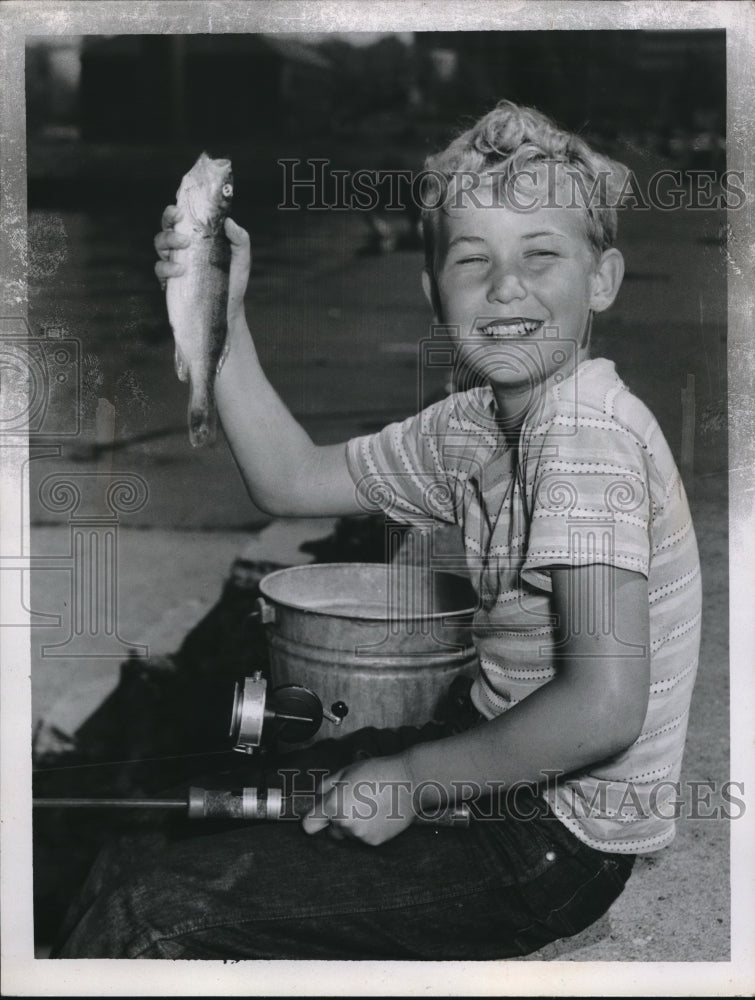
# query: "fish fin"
x,y
182,369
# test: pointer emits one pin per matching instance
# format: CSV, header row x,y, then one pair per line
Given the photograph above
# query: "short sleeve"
x,y
587,494
400,470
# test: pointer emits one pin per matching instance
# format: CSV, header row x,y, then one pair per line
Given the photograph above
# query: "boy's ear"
x,y
431,292
607,280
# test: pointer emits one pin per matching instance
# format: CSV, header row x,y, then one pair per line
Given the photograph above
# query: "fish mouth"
x,y
220,162
505,329
217,171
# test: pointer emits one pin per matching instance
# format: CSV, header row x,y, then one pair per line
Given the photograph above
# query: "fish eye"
x,y
227,190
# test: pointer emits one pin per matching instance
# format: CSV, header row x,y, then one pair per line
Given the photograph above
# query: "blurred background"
x,y
335,306
666,89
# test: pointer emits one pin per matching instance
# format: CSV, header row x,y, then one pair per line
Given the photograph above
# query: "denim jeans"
x,y
501,888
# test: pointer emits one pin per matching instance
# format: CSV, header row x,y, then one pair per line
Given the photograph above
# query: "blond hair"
x,y
510,139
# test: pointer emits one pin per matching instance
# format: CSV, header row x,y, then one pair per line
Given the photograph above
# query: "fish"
x,y
197,300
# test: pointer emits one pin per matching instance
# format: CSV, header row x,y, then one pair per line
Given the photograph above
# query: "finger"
x,y
237,236
165,269
171,215
168,240
315,821
328,783
321,814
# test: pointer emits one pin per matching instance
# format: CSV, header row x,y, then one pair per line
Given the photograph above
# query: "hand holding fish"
x,y
204,263
241,259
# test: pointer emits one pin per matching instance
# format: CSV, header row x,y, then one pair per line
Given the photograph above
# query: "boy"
x,y
579,541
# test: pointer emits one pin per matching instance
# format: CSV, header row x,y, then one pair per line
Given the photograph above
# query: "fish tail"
x,y
202,418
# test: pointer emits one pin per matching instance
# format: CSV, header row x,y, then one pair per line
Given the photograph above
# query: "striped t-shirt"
x,y
592,482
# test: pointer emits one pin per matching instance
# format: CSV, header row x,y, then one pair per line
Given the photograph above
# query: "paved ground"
x,y
338,331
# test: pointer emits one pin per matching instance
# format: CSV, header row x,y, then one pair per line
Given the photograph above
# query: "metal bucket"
x,y
386,640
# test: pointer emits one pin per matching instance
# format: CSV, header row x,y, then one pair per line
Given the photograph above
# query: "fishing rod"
x,y
294,713
244,804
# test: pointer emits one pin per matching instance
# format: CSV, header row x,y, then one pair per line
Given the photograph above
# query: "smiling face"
x,y
520,287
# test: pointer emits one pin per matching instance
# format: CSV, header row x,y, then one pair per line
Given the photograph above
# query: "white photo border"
x,y
22,975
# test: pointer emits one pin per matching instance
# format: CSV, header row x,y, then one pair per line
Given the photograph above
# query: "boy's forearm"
x,y
269,445
558,728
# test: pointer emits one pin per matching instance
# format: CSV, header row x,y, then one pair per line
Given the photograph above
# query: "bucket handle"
x,y
263,614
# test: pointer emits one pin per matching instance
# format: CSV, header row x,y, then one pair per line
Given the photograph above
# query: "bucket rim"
x,y
352,612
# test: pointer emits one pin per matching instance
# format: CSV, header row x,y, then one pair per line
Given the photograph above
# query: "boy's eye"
x,y
541,256
472,260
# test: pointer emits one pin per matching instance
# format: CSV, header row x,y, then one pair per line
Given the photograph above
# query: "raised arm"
x,y
285,473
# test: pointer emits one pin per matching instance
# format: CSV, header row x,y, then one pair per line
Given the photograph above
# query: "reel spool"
x,y
291,713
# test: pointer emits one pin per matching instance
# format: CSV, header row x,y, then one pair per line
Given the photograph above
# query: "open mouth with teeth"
x,y
502,328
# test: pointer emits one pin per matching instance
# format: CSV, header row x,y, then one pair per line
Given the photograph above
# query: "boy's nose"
x,y
505,286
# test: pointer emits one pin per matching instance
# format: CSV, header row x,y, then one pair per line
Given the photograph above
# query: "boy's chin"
x,y
515,372
522,363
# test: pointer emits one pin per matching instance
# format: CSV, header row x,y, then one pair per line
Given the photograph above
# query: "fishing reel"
x,y
290,713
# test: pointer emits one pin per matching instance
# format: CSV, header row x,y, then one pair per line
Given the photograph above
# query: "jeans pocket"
x,y
518,851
